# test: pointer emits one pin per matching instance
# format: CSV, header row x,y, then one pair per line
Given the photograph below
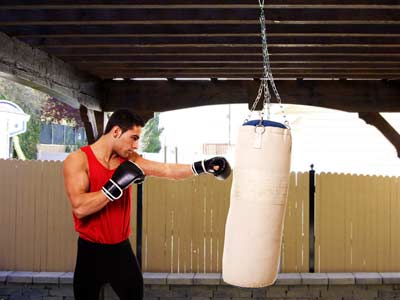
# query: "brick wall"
x,y
168,286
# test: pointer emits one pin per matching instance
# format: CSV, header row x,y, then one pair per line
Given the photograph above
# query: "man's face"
x,y
128,141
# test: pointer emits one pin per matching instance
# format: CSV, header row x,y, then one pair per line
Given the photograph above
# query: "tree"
x,y
57,112
41,108
150,141
30,101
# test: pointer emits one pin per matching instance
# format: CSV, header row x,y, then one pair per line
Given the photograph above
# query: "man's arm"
x,y
217,166
76,182
157,169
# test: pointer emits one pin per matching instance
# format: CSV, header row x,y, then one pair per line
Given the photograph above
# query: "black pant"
x,y
97,264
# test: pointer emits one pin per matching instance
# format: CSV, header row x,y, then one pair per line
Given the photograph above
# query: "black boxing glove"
x,y
127,173
217,166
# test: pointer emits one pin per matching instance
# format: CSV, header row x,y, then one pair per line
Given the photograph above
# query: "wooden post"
x,y
99,118
376,119
93,122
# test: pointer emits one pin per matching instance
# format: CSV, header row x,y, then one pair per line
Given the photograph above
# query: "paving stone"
x,y
200,292
10,290
314,278
341,278
227,291
259,293
20,277
47,277
334,292
34,292
277,291
180,278
390,278
302,292
288,279
174,292
63,291
368,278
155,278
158,287
207,278
3,276
67,278
364,293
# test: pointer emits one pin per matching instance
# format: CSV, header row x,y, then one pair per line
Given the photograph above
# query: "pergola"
x,y
341,54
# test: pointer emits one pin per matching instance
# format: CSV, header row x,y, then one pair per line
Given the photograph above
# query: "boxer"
x,y
98,181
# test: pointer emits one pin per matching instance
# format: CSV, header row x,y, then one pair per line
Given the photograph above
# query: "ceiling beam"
x,y
235,41
346,95
198,29
275,50
227,15
375,119
21,5
35,68
283,3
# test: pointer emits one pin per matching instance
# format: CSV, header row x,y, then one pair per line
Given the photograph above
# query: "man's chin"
x,y
123,154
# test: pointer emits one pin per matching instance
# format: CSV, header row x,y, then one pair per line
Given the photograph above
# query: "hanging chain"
x,y
267,76
253,107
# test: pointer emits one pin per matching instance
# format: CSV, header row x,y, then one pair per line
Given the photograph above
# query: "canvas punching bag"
x,y
254,226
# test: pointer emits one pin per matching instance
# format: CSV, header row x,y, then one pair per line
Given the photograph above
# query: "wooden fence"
x,y
184,222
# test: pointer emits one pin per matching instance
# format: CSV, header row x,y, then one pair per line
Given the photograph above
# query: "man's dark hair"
x,y
124,119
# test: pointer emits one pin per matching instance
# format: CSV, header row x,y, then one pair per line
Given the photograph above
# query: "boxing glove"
x,y
127,173
209,166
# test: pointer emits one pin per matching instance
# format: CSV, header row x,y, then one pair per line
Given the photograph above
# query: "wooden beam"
x,y
227,45
277,50
188,3
347,95
199,5
99,119
32,67
240,60
250,69
80,16
250,75
199,29
375,119
93,122
207,40
87,117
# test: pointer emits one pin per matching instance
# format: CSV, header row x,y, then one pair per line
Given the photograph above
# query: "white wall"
x,y
333,141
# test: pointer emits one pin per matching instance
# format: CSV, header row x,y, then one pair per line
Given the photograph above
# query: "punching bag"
x,y
254,226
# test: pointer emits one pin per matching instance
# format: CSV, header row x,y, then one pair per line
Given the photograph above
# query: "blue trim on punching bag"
x,y
265,123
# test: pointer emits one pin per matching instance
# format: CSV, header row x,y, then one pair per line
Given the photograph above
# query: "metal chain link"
x,y
253,107
267,76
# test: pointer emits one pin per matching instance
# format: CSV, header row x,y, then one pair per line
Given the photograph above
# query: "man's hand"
x,y
127,173
217,166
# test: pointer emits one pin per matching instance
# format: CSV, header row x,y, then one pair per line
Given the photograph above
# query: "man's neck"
x,y
103,149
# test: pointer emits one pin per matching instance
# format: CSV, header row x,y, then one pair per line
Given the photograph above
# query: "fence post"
x,y
311,219
139,223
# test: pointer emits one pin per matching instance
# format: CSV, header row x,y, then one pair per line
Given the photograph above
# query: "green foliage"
x,y
30,138
40,107
30,101
150,141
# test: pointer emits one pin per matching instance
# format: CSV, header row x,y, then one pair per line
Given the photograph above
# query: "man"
x,y
97,180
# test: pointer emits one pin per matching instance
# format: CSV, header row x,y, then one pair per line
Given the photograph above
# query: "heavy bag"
x,y
254,226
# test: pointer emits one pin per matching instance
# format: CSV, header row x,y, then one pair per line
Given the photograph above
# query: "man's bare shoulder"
x,y
77,157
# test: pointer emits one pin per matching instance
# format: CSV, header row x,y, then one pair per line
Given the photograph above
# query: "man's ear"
x,y
116,132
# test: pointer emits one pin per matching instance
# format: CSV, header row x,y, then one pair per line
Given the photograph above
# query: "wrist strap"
x,y
110,195
198,167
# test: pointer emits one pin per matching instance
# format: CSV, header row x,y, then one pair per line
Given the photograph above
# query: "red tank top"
x,y
111,224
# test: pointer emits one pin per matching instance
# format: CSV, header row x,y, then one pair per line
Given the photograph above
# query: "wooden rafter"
x,y
375,119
